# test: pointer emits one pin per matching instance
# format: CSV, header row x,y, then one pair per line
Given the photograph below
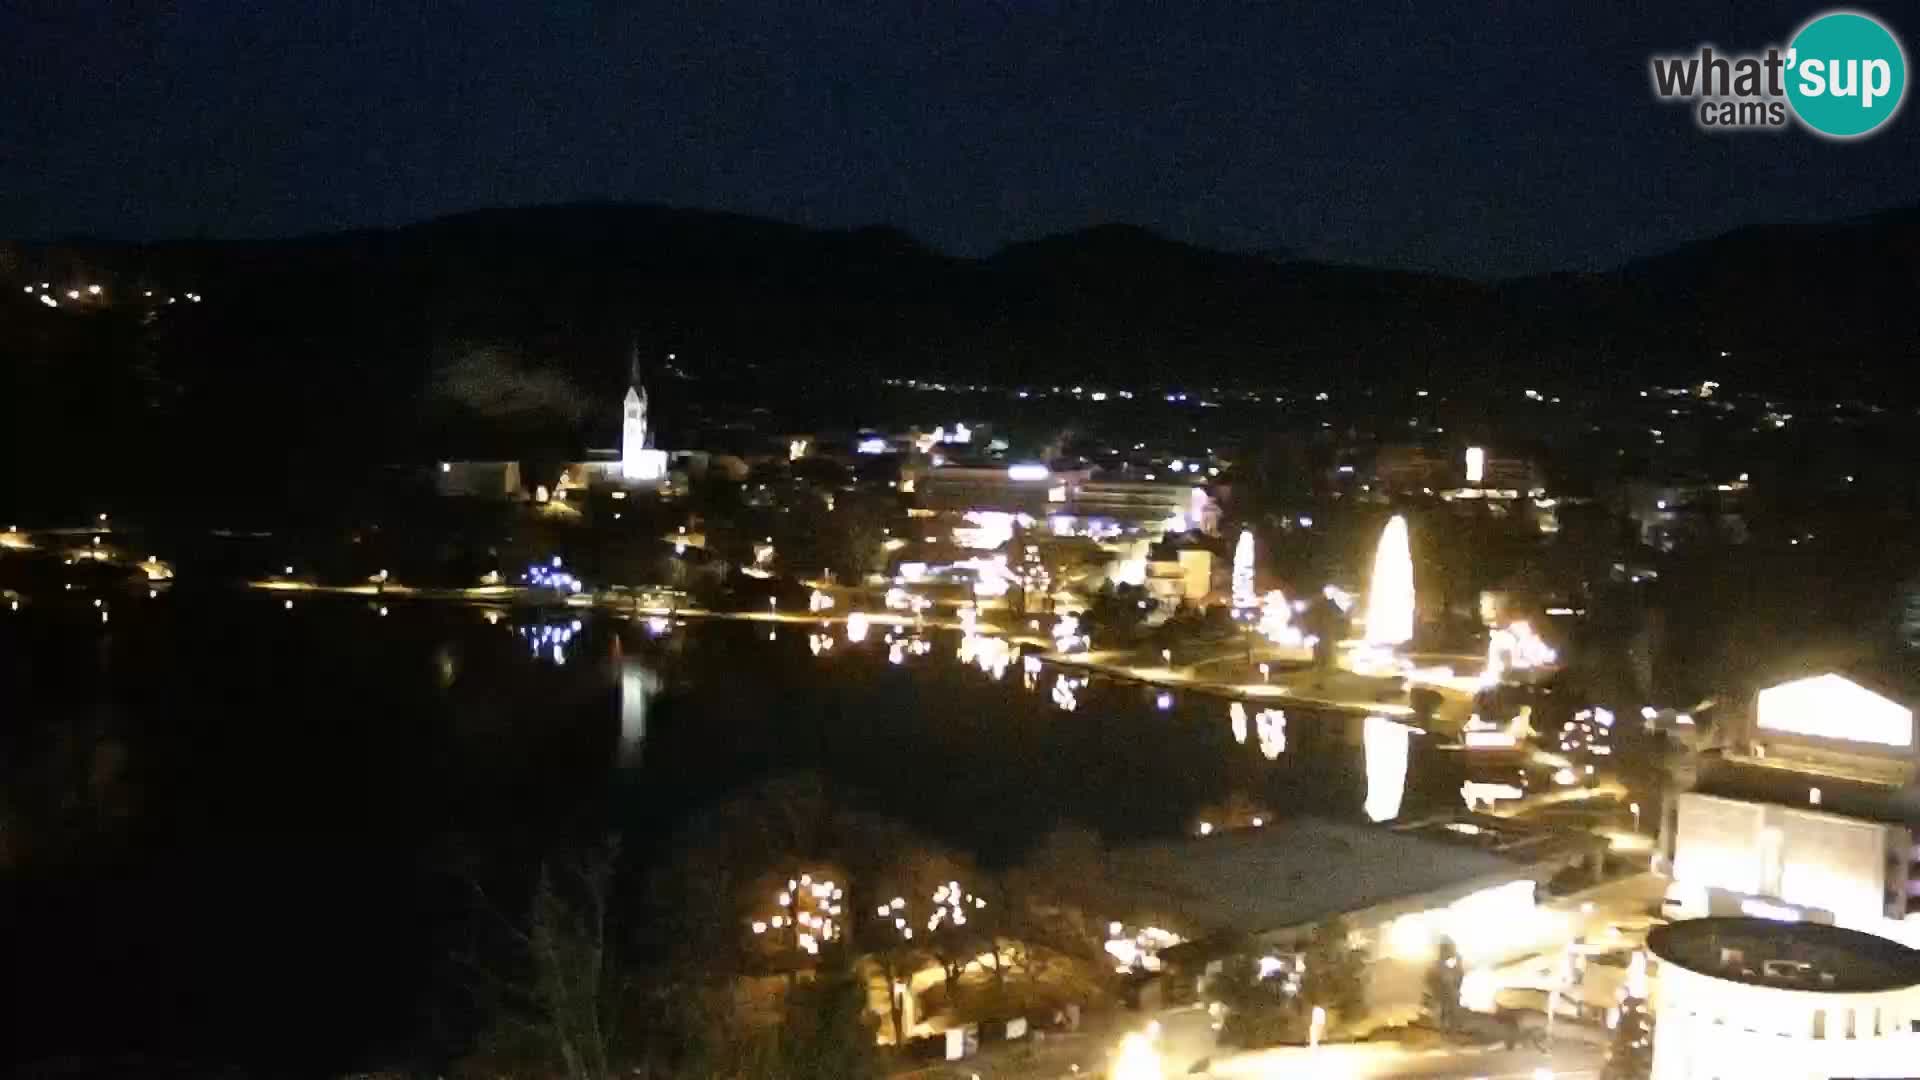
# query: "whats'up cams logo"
x,y
1842,76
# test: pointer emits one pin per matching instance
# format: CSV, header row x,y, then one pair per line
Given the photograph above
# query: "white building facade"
x,y
1741,998
640,463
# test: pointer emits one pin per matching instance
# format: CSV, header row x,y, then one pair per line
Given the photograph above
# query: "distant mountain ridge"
x,y
1792,306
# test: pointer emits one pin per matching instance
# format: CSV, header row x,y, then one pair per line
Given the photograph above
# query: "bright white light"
x,y
1390,592
987,530
1831,706
1515,647
1271,727
871,446
1476,464
1237,717
1408,937
1028,472
1243,596
1064,696
48,300
1386,744
1276,623
1136,1059
93,290
857,626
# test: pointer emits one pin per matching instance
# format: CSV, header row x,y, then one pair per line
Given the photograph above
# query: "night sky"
x,y
1477,139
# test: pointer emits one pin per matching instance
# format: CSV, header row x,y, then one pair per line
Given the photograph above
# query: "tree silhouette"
x,y
1336,972
1441,997
1630,1055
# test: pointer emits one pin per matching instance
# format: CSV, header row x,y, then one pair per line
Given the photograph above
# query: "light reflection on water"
x,y
1387,745
638,685
1368,764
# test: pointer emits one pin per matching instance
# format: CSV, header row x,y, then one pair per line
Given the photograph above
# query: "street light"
x,y
1137,1059
1635,807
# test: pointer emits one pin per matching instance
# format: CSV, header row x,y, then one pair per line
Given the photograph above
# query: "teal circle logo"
x,y
1846,74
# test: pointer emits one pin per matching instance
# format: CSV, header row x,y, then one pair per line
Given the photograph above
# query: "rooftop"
x,y
1781,784
1787,955
1294,872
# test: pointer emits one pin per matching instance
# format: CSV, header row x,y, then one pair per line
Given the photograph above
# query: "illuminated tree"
x,y
894,924
801,916
1244,598
1390,599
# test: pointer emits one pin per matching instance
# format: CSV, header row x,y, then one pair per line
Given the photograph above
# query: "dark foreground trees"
x,y
767,941
1270,999
1441,996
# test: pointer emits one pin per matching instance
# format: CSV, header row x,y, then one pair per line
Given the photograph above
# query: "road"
x,y
1186,1043
1565,1062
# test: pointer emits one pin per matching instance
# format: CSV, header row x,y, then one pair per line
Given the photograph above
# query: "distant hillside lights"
x,y
86,292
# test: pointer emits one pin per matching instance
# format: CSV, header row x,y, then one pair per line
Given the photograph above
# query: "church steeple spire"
x,y
639,461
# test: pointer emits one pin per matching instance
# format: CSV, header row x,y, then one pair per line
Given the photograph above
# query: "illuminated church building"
x,y
640,463
637,463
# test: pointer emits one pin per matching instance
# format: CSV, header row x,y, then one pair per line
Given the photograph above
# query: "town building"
x,y
1412,469
1811,815
640,463
478,479
1745,997
636,464
1401,889
1073,501
1179,573
1668,514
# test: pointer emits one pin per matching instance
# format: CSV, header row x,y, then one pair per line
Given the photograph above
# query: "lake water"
x,y
228,824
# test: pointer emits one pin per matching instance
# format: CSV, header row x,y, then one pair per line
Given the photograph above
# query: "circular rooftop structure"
x,y
1742,998
1806,957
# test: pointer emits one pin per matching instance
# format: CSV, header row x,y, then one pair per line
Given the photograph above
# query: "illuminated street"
x,y
1566,1063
